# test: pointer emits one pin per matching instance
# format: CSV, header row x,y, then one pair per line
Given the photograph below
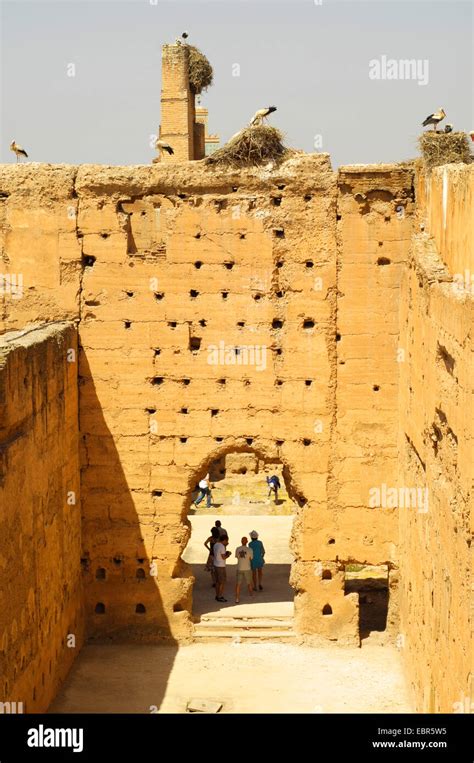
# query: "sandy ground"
x,y
246,678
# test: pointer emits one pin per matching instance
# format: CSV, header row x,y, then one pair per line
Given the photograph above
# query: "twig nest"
x,y
252,146
439,148
200,71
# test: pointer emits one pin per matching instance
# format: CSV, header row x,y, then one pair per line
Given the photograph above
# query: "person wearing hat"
x,y
258,559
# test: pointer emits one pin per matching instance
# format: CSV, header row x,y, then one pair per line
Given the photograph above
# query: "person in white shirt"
x,y
244,556
220,558
204,491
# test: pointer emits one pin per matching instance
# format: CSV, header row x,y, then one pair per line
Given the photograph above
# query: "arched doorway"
x,y
242,501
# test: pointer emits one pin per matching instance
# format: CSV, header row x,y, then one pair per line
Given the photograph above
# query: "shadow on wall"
x,y
123,601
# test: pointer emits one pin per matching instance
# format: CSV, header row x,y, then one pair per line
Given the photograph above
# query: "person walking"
x,y
274,485
220,558
244,556
209,544
204,491
258,559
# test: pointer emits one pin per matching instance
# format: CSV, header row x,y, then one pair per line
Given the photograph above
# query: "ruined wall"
x,y
222,312
436,449
177,106
41,611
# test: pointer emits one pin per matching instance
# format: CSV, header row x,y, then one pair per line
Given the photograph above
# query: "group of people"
x,y
250,560
204,485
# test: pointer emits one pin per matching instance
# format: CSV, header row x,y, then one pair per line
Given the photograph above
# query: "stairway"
x,y
251,629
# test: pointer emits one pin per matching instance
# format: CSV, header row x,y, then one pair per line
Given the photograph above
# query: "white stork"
x,y
18,150
262,114
182,40
435,118
163,146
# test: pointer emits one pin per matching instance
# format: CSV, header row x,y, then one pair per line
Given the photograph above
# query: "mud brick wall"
x,y
41,602
176,273
436,455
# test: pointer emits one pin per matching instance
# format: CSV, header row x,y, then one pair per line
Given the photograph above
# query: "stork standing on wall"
x,y
18,150
435,118
163,146
262,114
183,39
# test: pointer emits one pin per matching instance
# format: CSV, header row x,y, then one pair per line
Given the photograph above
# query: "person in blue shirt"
x,y
258,559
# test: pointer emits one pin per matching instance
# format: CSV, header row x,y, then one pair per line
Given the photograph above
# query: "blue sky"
x,y
310,60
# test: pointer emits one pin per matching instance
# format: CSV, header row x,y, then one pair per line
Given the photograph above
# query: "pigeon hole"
x,y
252,146
199,71
438,148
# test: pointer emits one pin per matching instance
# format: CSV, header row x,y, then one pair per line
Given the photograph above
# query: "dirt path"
x,y
252,678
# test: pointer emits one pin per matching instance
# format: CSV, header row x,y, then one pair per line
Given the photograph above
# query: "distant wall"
x,y
436,449
445,203
41,609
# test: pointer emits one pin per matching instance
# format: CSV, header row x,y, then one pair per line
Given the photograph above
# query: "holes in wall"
x,y
194,343
306,442
85,561
338,337
184,411
117,560
197,235
224,294
185,382
281,187
276,200
156,352
198,264
279,383
387,218
309,264
140,609
242,235
307,197
218,439
277,323
141,573
183,440
301,501
229,265
370,582
308,382
104,235
88,260
193,293
246,382
326,575
156,493
150,410
280,294
159,295
240,324
178,607
181,195
214,411
278,351
331,541
308,323
376,387
99,608
157,380
100,573
279,232
203,322
279,443
221,381
129,293
257,297
127,324
172,324
383,261
327,609
280,263
447,359
249,440
338,217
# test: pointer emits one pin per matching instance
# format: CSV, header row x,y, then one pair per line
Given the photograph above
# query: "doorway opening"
x,y
371,583
244,503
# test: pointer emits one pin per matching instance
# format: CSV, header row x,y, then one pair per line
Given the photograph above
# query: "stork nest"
x,y
252,146
439,148
200,71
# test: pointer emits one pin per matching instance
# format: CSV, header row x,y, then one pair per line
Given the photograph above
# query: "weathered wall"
x,y
41,602
445,200
177,106
436,454
169,261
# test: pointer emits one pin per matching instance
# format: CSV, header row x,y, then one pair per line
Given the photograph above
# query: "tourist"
x,y
204,490
244,556
258,560
209,544
222,532
220,558
274,485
